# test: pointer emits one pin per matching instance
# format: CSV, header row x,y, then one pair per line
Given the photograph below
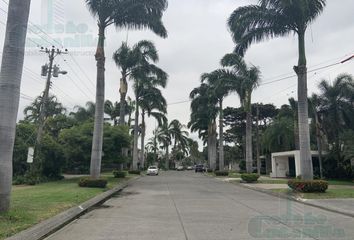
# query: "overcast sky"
x,y
198,38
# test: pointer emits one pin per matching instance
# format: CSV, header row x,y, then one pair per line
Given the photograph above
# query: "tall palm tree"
x,y
154,105
278,18
205,109
122,14
145,77
127,59
219,81
247,79
10,82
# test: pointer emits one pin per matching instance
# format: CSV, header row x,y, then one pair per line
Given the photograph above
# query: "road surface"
x,y
190,206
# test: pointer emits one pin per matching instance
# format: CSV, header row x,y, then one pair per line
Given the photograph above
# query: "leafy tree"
x,y
249,79
76,143
131,14
10,84
277,18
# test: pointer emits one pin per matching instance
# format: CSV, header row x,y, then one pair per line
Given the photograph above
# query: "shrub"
x,y
315,186
250,177
119,174
93,183
19,180
135,172
209,170
222,173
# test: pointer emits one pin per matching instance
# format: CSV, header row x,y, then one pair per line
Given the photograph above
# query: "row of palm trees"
x,y
207,104
248,25
166,135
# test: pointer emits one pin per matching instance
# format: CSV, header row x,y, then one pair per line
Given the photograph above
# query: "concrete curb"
x,y
51,225
296,199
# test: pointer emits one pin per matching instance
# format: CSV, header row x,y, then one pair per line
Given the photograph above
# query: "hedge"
x,y
222,173
136,172
250,177
119,174
92,183
315,186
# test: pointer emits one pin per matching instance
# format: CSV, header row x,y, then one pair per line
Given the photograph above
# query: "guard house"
x,y
287,164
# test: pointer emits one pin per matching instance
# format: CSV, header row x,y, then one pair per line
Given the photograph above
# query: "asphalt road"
x,y
190,206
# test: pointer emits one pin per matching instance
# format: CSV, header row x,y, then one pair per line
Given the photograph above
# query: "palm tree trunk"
x,y
136,129
304,130
167,160
10,83
221,137
123,93
213,141
249,160
319,143
97,142
142,159
257,144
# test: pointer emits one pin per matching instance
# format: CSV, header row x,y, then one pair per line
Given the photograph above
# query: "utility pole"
x,y
48,71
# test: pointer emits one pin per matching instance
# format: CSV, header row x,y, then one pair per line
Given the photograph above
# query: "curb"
x,y
296,199
51,225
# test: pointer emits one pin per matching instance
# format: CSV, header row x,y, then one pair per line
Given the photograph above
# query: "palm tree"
x,y
54,108
146,76
163,136
112,109
84,114
246,81
205,109
10,82
127,59
219,81
180,137
315,104
122,14
336,106
154,104
278,18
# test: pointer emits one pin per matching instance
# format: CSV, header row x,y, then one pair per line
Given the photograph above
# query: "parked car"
x,y
200,168
152,170
180,168
190,168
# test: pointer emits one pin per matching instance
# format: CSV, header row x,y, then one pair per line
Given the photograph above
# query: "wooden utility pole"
x,y
49,71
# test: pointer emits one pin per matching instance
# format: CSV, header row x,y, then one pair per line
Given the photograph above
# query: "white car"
x,y
153,170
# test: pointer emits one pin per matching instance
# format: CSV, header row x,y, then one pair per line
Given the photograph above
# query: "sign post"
x,y
30,155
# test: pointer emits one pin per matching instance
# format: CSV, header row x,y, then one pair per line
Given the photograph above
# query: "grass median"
x,y
33,204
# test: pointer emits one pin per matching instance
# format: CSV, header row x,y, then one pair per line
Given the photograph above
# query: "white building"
x,y
286,164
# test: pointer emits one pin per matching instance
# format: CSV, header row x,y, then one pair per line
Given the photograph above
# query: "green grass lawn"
x,y
329,194
33,204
